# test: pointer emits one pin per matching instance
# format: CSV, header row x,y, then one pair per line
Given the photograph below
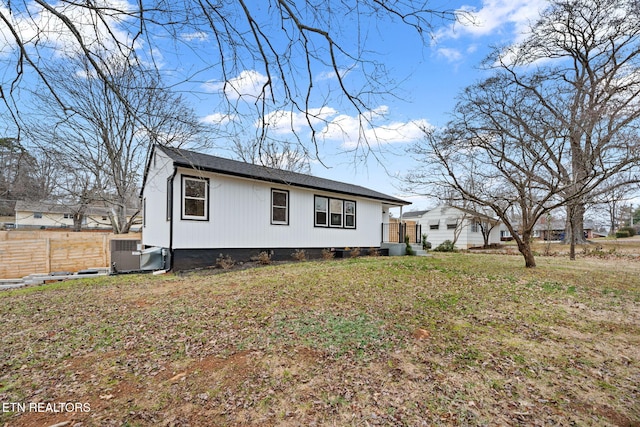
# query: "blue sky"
x,y
428,76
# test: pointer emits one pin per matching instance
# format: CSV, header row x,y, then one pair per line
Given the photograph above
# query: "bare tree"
x,y
472,211
289,44
21,175
581,64
100,139
486,226
461,223
278,155
500,152
612,198
557,121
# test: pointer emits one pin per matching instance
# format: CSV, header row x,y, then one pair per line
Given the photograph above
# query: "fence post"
x,y
47,255
105,250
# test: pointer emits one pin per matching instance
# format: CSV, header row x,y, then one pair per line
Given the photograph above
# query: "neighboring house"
x,y
447,222
54,215
555,230
198,206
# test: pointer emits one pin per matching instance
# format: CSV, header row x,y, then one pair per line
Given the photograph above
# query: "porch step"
x,y
417,249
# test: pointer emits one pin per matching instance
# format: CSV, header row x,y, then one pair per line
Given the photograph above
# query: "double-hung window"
x,y
279,207
195,198
349,214
321,212
334,213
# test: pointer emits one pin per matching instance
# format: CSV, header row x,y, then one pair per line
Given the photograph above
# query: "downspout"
x,y
171,178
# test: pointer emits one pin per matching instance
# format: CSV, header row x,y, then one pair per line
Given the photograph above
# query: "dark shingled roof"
x,y
209,163
413,214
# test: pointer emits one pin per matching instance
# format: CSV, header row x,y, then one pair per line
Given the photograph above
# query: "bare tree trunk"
x,y
524,246
574,228
78,217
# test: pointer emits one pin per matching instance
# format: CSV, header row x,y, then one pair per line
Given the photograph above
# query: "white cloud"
x,y
370,128
451,55
200,36
284,122
249,83
494,17
217,118
331,75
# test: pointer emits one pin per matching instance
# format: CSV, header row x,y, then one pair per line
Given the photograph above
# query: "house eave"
x,y
390,201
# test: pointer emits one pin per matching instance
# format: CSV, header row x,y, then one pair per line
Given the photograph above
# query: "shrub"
x,y
425,245
225,262
299,255
408,250
264,258
446,246
630,230
328,254
621,234
355,252
373,252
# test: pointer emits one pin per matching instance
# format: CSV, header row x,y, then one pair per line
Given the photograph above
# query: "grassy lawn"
x,y
453,339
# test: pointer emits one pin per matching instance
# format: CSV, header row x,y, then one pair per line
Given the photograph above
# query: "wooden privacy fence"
x,y
395,232
28,252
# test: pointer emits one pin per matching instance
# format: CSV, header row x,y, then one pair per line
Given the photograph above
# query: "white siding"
x,y
240,217
56,219
467,237
155,231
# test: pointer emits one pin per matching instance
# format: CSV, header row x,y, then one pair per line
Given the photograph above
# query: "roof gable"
x,y
210,163
447,211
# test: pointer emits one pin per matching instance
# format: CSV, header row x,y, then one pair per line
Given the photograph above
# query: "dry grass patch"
x,y
453,339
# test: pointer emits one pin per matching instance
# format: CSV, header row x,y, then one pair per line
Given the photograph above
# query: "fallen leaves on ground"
x,y
454,339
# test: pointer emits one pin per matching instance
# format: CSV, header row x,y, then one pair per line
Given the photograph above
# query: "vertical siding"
x,y
155,232
466,239
240,217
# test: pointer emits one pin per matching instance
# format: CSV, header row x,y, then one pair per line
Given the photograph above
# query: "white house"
x,y
198,206
56,215
447,222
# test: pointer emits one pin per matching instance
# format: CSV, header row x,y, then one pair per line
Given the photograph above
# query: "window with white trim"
x,y
349,214
321,210
335,212
195,198
279,207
